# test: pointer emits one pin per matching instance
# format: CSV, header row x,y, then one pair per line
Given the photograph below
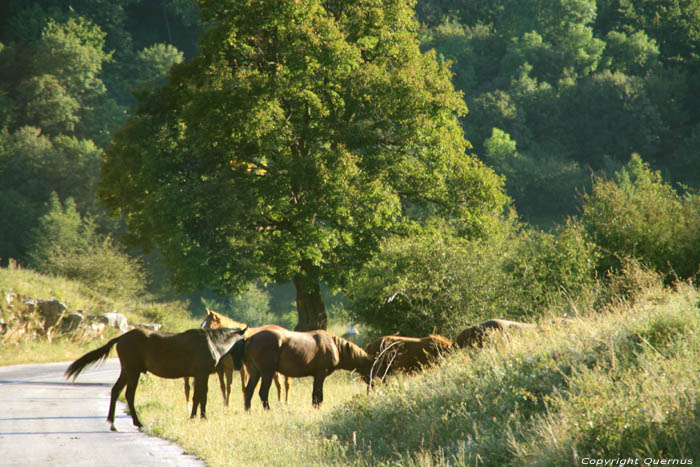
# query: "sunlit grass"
x,y
36,347
284,435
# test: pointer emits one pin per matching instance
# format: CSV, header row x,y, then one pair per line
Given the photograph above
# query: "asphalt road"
x,y
48,421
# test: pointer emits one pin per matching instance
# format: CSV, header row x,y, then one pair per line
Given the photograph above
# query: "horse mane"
x,y
225,320
221,335
444,341
349,351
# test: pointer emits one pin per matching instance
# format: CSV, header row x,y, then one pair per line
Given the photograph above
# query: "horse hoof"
x,y
113,427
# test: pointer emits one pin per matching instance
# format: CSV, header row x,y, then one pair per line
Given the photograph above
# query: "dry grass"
x,y
283,436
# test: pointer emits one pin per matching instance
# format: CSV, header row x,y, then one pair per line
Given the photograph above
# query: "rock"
x,y
52,311
151,326
71,322
116,320
10,297
90,328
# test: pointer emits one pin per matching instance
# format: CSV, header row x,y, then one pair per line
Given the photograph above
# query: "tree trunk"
x,y
310,307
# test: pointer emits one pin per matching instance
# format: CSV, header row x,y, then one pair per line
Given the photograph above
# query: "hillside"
x,y
23,335
613,383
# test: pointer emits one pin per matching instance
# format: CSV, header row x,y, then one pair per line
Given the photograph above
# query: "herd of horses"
x,y
263,354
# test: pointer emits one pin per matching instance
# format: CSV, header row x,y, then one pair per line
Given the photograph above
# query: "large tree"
x,y
300,135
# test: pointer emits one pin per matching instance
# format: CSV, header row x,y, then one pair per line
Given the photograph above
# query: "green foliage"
x,y
292,143
32,166
438,281
546,265
639,215
253,308
154,62
576,84
65,244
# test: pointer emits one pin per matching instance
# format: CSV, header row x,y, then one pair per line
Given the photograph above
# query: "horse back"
x,y
167,355
292,353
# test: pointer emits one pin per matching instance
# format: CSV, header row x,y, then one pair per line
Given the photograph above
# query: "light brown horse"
x,y
474,336
296,354
214,320
196,353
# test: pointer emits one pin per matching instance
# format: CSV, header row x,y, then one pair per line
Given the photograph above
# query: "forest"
x,y
543,147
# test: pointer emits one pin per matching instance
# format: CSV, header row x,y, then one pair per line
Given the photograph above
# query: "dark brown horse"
x,y
474,336
296,354
196,353
405,354
214,320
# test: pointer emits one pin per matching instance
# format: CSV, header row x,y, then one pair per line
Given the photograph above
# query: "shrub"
x,y
640,216
251,307
65,244
439,281
547,265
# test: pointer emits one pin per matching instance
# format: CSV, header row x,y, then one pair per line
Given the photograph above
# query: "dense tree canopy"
x,y
298,136
313,130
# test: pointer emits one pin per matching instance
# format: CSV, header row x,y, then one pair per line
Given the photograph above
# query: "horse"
x,y
196,352
214,320
405,354
296,354
474,336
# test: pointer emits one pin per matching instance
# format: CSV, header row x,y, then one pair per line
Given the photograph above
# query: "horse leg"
x,y
317,395
265,389
244,379
132,380
287,384
228,371
201,386
187,393
116,390
253,378
220,372
276,380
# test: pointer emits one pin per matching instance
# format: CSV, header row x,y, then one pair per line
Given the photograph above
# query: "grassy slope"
x,y
620,383
29,284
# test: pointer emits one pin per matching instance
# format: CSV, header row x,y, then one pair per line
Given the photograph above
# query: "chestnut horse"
x,y
196,353
214,320
474,336
405,354
296,354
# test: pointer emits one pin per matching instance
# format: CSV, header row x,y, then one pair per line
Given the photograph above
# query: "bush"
x,y
65,244
439,281
546,266
640,216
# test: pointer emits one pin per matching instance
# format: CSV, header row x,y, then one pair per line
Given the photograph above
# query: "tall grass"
x,y
619,383
622,383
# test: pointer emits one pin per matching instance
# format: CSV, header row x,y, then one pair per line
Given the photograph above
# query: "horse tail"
x,y
237,353
90,358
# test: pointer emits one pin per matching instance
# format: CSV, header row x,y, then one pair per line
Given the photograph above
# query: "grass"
x,y
286,435
30,345
608,383
622,383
